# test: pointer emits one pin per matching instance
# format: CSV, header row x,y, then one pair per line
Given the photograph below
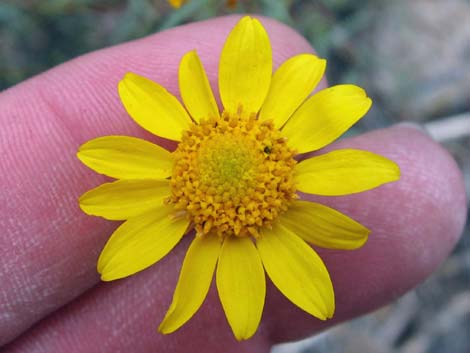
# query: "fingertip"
x,y
442,178
415,223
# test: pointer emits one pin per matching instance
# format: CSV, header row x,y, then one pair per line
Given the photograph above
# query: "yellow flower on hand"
x,y
232,183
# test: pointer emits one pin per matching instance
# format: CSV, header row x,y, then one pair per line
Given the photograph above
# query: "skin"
x,y
51,298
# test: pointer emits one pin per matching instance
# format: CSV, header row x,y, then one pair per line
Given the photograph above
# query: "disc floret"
x,y
233,175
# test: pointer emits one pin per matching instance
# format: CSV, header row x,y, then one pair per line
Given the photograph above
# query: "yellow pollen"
x,y
233,175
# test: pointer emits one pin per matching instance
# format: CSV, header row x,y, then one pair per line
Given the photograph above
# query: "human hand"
x,y
49,248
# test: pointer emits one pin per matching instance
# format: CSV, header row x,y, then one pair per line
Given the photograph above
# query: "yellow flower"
x,y
178,3
233,180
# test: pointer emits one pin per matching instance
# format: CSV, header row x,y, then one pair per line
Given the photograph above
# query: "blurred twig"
x,y
449,128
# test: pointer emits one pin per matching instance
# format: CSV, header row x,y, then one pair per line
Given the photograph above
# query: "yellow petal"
x,y
194,282
324,226
344,172
153,107
297,271
124,199
124,157
326,116
241,285
245,67
195,88
291,84
140,242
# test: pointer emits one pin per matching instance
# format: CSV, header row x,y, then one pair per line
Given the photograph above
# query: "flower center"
x,y
232,175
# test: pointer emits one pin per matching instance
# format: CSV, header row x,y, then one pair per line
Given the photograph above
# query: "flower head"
x,y
233,182
178,3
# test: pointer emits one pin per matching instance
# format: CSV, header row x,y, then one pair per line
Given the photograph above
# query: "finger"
x,y
415,223
48,247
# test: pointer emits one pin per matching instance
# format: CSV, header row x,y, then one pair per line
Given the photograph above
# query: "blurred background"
x,y
413,58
